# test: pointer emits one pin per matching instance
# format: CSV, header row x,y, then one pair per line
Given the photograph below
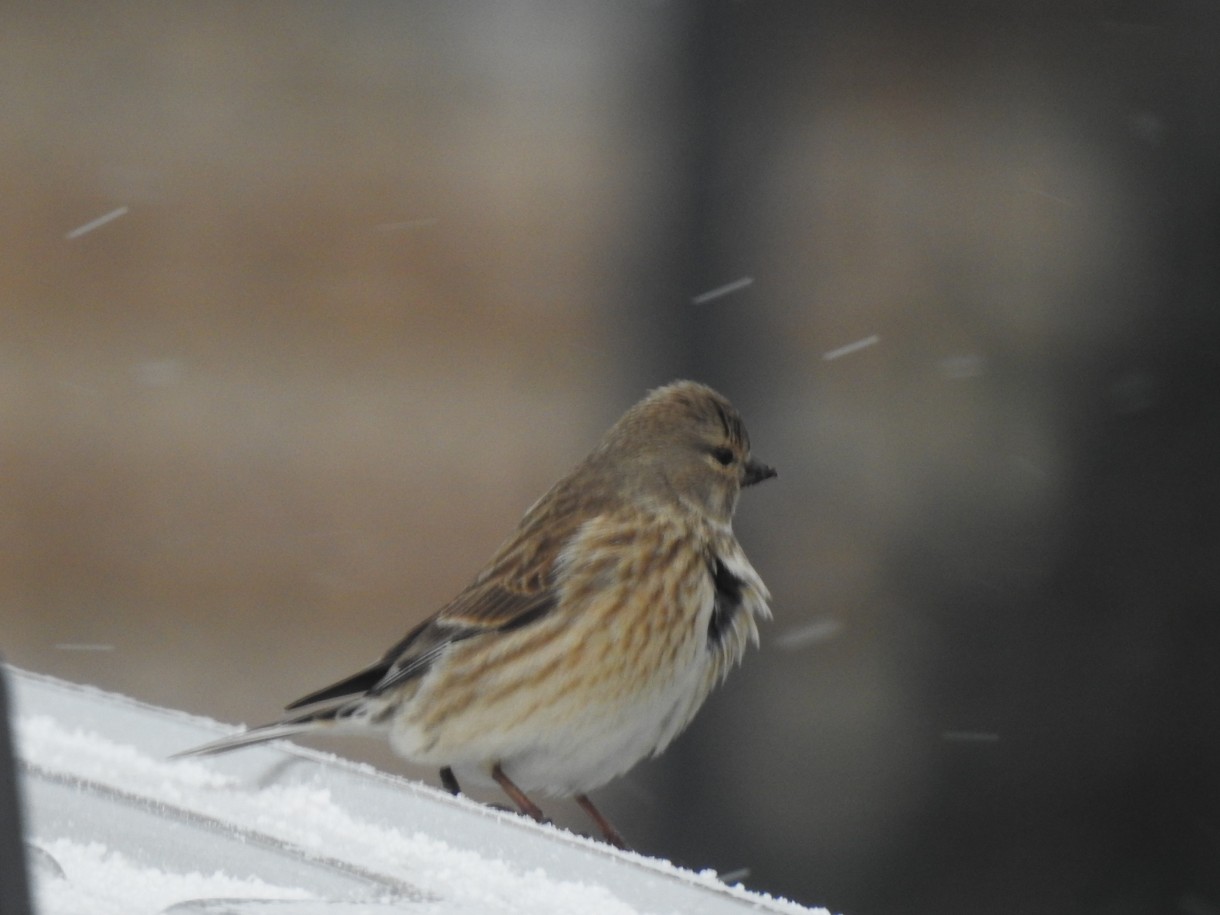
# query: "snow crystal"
x,y
850,348
719,291
96,223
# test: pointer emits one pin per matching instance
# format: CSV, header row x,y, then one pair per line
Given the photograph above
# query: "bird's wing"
x,y
476,610
515,590
491,608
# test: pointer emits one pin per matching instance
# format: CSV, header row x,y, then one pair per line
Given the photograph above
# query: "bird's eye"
x,y
723,456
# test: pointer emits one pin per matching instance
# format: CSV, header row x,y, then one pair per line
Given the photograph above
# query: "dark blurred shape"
x,y
14,878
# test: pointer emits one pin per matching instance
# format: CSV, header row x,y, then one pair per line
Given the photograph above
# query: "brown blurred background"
x,y
377,273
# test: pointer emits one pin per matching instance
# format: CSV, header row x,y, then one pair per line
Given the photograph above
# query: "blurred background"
x,y
302,304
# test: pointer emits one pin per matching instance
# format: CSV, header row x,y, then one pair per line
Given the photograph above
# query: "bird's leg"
x,y
450,782
609,833
524,804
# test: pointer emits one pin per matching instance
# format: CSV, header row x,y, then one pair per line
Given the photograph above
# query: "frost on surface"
x,y
117,827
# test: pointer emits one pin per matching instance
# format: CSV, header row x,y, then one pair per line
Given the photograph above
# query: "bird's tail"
x,y
249,738
321,719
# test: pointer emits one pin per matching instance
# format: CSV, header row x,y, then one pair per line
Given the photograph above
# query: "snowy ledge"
x,y
114,827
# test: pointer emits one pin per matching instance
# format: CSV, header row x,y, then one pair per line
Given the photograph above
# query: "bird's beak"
x,y
756,472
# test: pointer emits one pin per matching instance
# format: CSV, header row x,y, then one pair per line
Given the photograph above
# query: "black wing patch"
x,y
537,609
356,684
727,603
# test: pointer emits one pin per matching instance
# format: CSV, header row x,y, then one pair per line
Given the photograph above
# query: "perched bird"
x,y
595,632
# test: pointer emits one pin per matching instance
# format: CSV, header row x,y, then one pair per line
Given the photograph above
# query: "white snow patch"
x,y
101,881
135,832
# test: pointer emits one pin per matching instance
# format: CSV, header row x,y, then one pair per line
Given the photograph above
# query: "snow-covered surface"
x,y
116,827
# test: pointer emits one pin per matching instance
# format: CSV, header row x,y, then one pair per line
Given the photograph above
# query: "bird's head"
x,y
686,442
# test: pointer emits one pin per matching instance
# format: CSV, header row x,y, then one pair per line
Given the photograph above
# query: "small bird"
x,y
595,632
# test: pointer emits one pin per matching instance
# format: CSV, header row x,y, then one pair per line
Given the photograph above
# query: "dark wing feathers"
x,y
498,611
485,606
514,591
356,684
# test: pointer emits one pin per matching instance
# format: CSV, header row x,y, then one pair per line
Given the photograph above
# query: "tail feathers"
x,y
273,731
248,738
